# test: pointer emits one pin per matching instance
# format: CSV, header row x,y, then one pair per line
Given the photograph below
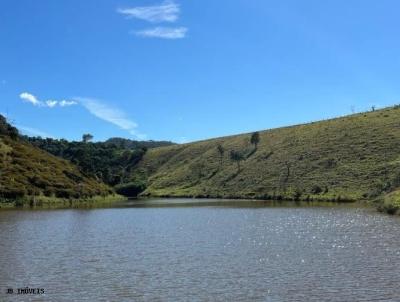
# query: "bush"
x,y
14,193
19,202
316,189
297,194
395,183
131,189
64,193
48,192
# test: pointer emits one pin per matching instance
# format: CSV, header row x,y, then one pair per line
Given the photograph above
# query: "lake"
x,y
210,251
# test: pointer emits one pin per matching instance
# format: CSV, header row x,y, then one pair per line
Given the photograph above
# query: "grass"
x,y
350,158
27,173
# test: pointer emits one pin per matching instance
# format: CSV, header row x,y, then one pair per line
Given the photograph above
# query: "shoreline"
x,y
42,202
386,206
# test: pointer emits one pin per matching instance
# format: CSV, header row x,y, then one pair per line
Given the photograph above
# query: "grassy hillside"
x,y
27,172
350,158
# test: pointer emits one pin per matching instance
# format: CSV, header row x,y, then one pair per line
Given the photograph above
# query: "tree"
x,y
288,166
13,132
87,137
255,139
236,157
8,129
221,152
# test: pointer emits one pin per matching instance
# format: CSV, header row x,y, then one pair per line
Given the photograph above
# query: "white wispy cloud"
x,y
51,103
96,107
33,131
168,11
163,32
30,98
112,115
65,103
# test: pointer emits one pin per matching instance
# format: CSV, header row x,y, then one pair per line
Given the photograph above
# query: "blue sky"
x,y
189,70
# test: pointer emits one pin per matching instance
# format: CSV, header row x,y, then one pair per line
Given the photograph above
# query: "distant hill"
x,y
27,172
348,158
133,144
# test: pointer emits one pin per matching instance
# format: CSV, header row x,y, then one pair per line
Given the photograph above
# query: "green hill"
x,y
110,162
342,159
28,174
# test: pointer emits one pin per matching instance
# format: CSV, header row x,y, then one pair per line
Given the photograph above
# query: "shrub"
x,y
297,194
64,193
316,189
48,192
14,193
131,189
395,183
19,202
390,209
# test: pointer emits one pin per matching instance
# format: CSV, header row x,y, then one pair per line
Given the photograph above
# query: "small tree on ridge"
x,y
255,139
87,137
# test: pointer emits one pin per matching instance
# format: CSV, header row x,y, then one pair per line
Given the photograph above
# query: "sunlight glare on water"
x,y
201,254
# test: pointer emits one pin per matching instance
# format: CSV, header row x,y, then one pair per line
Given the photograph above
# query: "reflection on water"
x,y
229,252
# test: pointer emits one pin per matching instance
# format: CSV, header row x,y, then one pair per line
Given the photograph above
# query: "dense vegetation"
x,y
125,143
7,130
28,173
344,159
111,162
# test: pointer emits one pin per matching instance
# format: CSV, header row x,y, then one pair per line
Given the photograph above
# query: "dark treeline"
x,y
111,162
7,129
132,144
